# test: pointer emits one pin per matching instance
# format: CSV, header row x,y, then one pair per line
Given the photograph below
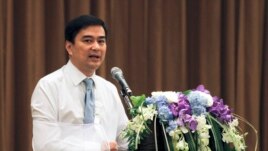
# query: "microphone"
x,y
117,74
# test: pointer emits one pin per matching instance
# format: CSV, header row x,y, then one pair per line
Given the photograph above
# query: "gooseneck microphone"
x,y
117,74
126,92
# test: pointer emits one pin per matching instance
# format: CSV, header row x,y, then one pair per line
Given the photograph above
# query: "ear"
x,y
69,47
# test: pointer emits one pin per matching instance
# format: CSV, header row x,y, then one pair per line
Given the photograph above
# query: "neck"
x,y
89,74
85,70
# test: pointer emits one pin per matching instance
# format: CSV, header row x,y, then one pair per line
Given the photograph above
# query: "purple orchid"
x,y
202,89
182,107
221,111
182,111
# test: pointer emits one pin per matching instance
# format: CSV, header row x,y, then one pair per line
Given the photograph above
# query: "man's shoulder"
x,y
53,77
105,82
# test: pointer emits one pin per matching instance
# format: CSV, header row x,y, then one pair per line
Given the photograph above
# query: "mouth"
x,y
94,57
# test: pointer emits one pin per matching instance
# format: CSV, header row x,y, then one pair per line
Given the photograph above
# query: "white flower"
x,y
157,93
172,97
184,129
205,142
231,135
203,133
148,112
202,123
208,98
234,123
204,148
178,139
182,145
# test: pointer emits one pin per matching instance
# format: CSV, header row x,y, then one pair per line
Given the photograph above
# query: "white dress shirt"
x,y
59,98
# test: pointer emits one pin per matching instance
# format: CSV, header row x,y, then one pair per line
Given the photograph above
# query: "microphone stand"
x,y
126,96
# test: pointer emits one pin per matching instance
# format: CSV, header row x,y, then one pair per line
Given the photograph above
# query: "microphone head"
x,y
115,71
117,74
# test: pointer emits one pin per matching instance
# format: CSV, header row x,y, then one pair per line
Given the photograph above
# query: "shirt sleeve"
x,y
43,103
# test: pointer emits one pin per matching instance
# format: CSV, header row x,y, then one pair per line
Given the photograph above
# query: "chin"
x,y
94,66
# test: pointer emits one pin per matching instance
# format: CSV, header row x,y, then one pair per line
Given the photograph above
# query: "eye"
x,y
102,41
88,40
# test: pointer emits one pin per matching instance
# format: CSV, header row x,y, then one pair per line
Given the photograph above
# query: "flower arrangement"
x,y
192,120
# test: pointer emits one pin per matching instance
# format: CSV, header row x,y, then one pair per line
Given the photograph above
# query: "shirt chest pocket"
x,y
104,106
71,107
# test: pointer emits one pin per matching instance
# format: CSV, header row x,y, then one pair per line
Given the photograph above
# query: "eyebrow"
x,y
100,37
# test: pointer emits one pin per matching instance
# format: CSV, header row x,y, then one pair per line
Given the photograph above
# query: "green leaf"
x,y
227,147
216,132
191,141
170,143
133,112
187,92
137,100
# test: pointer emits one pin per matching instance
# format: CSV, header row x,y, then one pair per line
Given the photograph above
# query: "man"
x,y
61,97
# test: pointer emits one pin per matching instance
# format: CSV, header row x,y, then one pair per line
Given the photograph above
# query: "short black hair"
x,y
83,21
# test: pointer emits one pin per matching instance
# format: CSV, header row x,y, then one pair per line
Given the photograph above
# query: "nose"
x,y
95,45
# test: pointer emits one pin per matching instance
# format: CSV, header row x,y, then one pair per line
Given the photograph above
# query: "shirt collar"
x,y
75,74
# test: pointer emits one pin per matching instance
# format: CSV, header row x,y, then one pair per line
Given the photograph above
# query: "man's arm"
x,y
122,123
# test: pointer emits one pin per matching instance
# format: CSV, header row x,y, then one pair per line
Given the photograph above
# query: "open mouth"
x,y
94,56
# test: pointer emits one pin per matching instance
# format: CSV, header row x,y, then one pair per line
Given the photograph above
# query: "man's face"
x,y
88,50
